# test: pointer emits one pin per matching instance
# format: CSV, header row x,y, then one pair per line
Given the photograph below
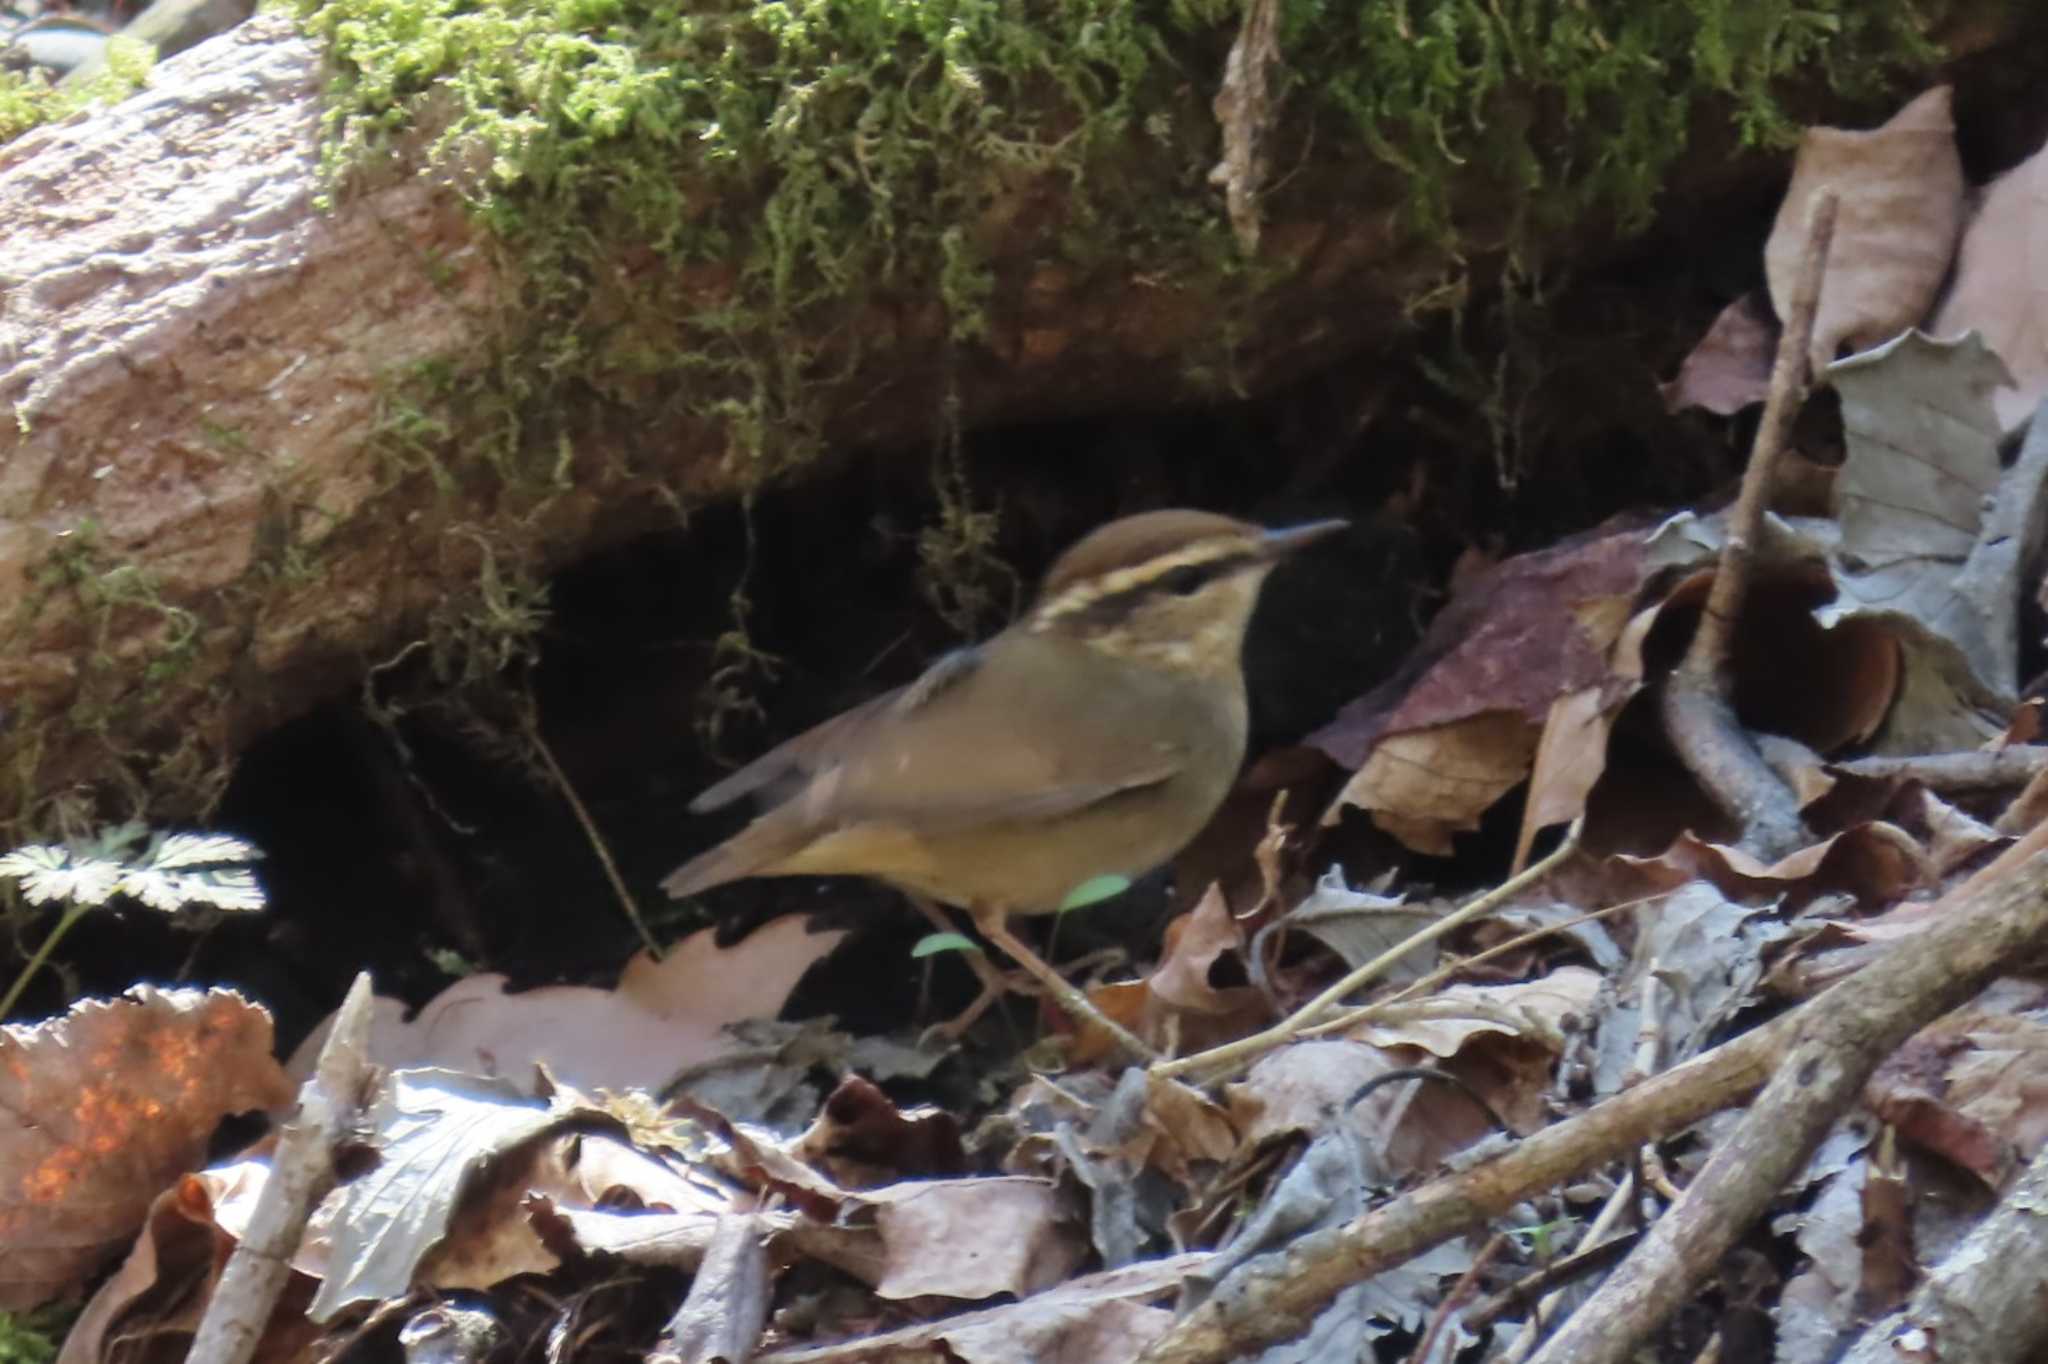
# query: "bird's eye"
x,y
1186,580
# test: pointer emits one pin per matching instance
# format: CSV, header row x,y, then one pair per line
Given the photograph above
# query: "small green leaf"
x,y
1095,888
933,943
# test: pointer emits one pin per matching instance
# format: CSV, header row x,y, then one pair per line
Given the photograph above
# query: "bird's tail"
x,y
753,851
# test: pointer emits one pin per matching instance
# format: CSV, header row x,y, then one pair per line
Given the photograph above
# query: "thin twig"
x,y
1078,1006
1464,1288
1232,1054
1698,715
1977,770
1600,1251
1649,1060
590,831
299,1172
1540,1286
1398,1007
1790,382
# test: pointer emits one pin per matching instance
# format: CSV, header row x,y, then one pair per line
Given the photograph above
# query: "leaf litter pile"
x,y
1743,1065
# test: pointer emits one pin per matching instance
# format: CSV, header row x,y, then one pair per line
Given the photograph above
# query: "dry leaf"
x,y
1187,1129
101,1109
2002,1080
1900,189
1359,926
1532,1010
862,1139
971,1238
2001,286
1424,785
1194,942
1730,368
1950,836
1922,466
720,1321
1328,1186
1570,756
1705,953
435,1132
178,1244
663,1018
1819,1303
1434,746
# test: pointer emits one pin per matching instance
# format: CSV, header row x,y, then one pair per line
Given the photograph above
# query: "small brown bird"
x,y
1093,737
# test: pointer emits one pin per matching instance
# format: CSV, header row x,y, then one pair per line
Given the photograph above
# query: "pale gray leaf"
x,y
435,1131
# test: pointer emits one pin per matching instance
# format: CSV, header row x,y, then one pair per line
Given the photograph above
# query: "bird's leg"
x,y
993,925
994,984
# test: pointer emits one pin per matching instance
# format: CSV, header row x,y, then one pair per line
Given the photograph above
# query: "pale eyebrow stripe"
x,y
1220,556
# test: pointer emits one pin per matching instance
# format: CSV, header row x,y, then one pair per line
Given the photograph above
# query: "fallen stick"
x,y
1699,717
1987,928
1979,770
300,1171
1985,1299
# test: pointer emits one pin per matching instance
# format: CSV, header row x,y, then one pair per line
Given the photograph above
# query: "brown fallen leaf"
x,y
1951,836
1177,1003
1194,942
101,1109
493,1236
1502,1040
1876,863
1972,1088
2001,285
663,1016
1533,1010
1456,727
1570,756
862,1139
177,1245
437,1134
1424,785
1409,1125
1900,191
1730,368
971,1238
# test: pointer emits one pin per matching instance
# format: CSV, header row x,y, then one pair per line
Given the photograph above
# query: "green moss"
x,y
119,603
29,98
33,1337
1568,107
692,197
699,206
135,650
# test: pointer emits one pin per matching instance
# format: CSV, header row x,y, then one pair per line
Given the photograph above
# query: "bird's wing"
x,y
946,755
935,752
936,755
775,774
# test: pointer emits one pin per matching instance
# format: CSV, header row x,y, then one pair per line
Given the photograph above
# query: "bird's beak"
x,y
1278,544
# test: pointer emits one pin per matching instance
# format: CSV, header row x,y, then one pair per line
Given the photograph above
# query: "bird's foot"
x,y
994,985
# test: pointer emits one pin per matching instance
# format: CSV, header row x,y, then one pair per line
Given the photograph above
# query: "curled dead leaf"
x,y
101,1109
1900,191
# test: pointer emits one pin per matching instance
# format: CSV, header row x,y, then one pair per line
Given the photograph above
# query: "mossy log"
x,y
223,493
